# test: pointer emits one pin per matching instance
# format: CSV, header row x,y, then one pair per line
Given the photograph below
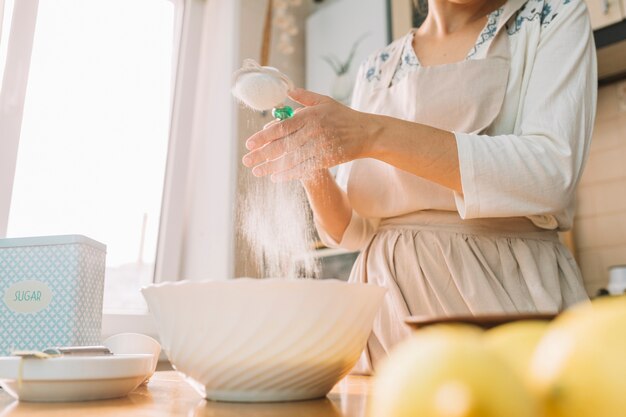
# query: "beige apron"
x,y
433,262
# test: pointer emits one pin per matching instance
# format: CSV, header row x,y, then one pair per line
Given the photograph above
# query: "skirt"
x,y
435,264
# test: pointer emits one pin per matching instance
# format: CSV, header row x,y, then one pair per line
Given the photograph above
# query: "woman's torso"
x,y
477,95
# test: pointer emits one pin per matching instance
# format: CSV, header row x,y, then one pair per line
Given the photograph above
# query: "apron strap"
x,y
499,46
510,8
500,41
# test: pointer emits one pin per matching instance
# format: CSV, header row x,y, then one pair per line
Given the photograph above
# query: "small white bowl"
x,y
129,343
250,340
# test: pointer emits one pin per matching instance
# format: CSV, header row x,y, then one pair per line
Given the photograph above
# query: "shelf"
x,y
327,252
610,34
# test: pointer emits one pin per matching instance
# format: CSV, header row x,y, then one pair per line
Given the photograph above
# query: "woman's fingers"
x,y
302,170
273,122
275,149
288,161
283,149
306,97
274,131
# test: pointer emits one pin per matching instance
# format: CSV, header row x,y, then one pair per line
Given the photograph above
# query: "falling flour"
x,y
274,218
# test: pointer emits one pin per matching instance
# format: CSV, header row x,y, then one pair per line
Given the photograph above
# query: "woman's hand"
x,y
320,135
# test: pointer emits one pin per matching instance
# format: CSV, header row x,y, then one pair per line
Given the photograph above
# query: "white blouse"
x,y
529,161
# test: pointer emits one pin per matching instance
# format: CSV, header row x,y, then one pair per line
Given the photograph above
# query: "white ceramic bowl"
x,y
263,340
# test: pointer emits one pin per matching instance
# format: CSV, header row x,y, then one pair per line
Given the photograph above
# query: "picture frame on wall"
x,y
340,35
406,14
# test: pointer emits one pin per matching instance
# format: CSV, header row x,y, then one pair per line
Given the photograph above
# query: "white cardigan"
x,y
530,160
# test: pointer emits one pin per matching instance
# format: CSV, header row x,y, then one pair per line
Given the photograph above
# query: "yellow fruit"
x,y
515,343
598,306
579,367
448,372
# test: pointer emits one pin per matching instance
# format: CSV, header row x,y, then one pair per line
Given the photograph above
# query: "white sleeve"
x,y
359,230
535,172
357,234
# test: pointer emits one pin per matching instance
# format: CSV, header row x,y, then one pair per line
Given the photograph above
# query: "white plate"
x,y
73,378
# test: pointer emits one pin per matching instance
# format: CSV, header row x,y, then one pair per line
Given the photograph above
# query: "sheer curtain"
x,y
208,243
12,94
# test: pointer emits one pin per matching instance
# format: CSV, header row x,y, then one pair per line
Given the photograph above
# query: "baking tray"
x,y
485,321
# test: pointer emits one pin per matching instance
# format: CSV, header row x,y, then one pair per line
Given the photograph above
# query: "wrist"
x,y
374,131
315,178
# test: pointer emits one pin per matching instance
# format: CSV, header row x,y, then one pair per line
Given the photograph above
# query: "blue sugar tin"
x,y
51,291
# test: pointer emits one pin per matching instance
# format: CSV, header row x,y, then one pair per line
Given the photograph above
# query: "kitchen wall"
x,y
600,223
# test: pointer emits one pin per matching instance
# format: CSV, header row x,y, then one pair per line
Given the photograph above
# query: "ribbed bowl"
x,y
263,340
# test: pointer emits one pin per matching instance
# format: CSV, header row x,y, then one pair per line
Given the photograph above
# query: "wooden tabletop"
x,y
168,395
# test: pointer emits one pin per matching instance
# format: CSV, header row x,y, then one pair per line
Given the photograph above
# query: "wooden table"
x,y
168,395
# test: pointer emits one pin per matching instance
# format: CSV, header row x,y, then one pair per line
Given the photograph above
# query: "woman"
x,y
464,146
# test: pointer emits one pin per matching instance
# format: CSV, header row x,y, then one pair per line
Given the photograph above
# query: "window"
x,y
94,135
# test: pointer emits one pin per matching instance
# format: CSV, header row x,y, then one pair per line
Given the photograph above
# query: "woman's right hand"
x,y
323,134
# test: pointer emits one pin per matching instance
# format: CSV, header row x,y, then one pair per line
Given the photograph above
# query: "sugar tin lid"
x,y
15,242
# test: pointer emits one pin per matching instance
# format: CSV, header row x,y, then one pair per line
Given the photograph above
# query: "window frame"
x,y
188,26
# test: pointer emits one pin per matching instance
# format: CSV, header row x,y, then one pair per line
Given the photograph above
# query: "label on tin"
x,y
27,296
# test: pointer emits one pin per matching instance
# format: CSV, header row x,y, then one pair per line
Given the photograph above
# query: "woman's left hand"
x,y
322,134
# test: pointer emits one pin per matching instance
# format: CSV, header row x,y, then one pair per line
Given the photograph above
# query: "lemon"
x,y
579,367
448,372
515,343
